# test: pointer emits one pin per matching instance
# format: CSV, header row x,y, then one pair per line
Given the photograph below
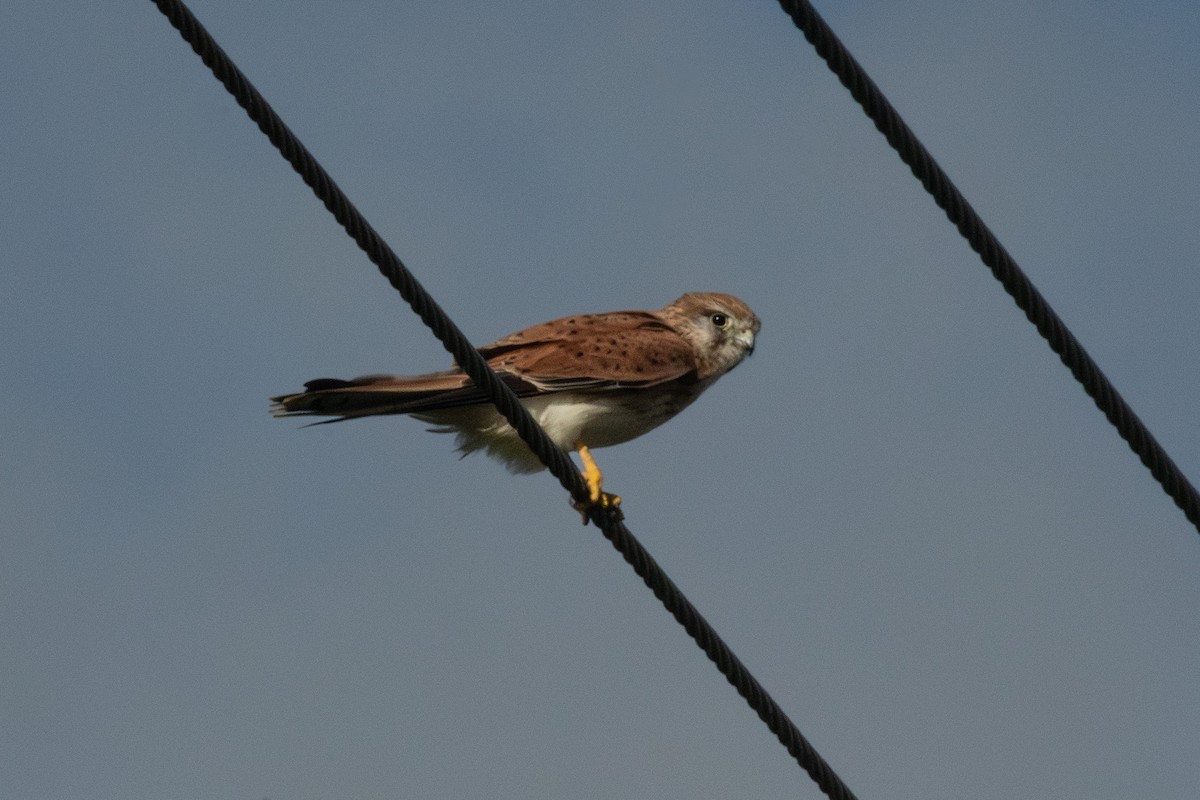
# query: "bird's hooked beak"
x,y
745,340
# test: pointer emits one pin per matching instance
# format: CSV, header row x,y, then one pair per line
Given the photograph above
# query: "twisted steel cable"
x,y
995,257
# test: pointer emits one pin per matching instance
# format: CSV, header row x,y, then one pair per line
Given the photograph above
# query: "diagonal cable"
x,y
995,257
361,231
608,520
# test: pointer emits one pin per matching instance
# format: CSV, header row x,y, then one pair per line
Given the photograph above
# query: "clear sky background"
x,y
902,512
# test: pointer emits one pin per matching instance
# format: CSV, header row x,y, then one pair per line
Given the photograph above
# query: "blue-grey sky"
x,y
902,512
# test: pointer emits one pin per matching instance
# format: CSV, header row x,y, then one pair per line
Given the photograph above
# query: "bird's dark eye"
x,y
720,320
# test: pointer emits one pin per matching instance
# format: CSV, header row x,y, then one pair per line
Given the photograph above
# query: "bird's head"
x,y
719,326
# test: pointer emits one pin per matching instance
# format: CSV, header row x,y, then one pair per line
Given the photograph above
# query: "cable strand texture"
x,y
1002,265
361,231
607,520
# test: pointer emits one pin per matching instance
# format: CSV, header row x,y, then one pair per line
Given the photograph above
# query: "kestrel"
x,y
591,380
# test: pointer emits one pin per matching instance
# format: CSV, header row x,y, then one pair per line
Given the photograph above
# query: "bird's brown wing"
x,y
594,352
622,349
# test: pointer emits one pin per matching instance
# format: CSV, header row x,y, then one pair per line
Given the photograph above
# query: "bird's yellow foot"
x,y
593,478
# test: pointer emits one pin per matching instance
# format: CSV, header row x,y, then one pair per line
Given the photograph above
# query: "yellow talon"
x,y
594,479
591,472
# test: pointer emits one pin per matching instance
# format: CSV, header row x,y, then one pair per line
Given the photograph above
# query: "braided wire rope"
x,y
608,520
995,257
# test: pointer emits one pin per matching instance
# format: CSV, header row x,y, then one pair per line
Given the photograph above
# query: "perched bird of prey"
x,y
591,380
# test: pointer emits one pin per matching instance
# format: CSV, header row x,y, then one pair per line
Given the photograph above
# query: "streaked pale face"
x,y
720,327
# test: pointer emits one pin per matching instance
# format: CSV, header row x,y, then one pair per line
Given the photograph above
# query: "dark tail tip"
x,y
321,384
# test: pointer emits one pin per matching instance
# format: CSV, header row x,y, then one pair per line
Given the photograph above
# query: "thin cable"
x,y
608,520
995,257
361,231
